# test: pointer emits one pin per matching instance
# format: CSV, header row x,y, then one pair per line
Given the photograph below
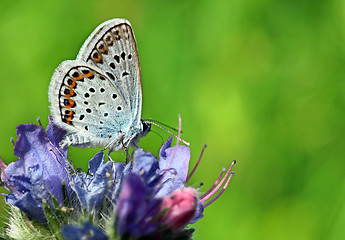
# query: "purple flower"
x,y
91,188
142,199
39,172
146,165
119,172
175,162
136,208
139,211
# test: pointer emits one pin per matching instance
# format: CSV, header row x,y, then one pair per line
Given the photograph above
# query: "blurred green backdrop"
x,y
258,81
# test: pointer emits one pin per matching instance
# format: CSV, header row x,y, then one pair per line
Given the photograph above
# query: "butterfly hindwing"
x,y
86,102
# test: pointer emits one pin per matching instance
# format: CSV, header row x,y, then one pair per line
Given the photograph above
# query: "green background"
x,y
258,81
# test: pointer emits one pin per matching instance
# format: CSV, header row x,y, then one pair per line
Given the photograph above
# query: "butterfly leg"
x,y
108,155
128,157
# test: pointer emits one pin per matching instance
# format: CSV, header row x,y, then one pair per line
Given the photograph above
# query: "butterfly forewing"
x,y
112,48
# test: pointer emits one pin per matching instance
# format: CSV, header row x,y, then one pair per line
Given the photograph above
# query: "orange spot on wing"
x,y
99,58
104,49
69,119
88,75
80,77
108,40
71,93
71,104
72,85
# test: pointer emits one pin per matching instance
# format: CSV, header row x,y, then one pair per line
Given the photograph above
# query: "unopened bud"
x,y
180,207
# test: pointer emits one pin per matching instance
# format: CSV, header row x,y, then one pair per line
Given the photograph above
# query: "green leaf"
x,y
52,219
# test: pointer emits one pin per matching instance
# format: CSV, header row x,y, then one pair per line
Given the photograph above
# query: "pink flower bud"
x,y
180,207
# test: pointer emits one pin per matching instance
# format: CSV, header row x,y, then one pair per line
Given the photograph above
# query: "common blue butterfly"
x,y
97,98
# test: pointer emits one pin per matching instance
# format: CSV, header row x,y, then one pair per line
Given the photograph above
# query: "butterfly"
x,y
97,98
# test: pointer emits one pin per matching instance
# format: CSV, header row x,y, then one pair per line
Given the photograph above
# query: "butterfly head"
x,y
146,128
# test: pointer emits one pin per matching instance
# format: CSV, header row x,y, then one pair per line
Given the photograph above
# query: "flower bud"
x,y
179,207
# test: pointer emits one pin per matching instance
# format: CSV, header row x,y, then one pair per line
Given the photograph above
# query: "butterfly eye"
x,y
146,126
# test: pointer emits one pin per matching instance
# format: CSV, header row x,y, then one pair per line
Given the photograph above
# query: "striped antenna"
x,y
162,124
180,139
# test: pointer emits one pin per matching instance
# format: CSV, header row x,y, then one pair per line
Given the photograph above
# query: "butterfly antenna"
x,y
180,139
162,124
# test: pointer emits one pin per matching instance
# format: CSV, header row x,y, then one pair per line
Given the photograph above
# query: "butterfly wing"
x,y
85,101
112,48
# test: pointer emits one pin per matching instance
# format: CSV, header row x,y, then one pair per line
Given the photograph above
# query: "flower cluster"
x,y
142,199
